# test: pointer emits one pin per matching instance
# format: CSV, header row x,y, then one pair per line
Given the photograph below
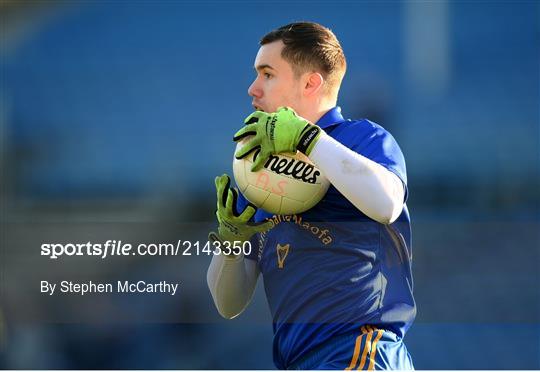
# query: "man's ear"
x,y
313,83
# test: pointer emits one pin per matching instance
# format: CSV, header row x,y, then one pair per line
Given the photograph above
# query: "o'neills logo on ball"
x,y
292,167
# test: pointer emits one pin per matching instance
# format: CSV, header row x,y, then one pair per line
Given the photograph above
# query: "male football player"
x,y
337,277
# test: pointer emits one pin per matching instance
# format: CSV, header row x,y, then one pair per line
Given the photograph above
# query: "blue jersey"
x,y
332,269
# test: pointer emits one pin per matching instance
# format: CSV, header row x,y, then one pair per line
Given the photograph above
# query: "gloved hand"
x,y
234,226
280,131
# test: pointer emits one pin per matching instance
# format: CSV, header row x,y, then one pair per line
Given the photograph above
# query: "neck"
x,y
318,112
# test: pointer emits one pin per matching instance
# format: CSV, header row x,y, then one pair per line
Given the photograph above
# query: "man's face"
x,y
275,84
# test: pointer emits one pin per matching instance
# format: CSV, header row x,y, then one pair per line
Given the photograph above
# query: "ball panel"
x,y
256,195
272,204
240,174
291,206
275,187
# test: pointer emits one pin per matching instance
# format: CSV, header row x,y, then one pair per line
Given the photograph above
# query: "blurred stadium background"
x,y
116,116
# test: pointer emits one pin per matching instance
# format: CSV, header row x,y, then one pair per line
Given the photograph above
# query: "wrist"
x,y
308,138
231,239
219,239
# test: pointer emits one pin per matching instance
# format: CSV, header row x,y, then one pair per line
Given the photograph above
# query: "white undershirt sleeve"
x,y
232,281
370,187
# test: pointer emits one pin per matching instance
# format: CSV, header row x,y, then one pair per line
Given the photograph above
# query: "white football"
x,y
287,184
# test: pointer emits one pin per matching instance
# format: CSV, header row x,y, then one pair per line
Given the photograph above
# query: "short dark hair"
x,y
308,47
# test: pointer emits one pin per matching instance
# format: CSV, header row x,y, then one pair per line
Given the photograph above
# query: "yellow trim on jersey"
x,y
367,347
356,352
373,353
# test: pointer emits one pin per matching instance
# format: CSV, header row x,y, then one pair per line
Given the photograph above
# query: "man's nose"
x,y
254,90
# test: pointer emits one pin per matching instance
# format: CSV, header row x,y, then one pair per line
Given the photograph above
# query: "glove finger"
x,y
234,191
254,117
248,130
263,226
232,197
219,191
222,186
259,161
248,213
222,180
286,108
245,150
288,114
257,152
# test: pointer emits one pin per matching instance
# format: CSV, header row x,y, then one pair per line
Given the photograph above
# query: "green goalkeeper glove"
x,y
280,131
234,226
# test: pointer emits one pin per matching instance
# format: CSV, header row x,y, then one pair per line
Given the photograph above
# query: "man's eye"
x,y
267,75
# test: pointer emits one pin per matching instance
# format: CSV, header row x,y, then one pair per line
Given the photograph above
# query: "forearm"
x,y
369,186
231,281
